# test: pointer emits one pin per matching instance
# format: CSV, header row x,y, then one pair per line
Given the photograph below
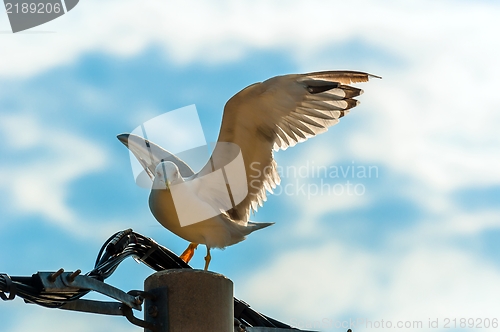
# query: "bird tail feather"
x,y
258,225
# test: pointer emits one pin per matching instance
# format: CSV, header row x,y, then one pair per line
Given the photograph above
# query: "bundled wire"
x,y
117,248
128,243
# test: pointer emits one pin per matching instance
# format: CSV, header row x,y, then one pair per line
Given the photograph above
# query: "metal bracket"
x,y
108,308
139,322
96,307
68,282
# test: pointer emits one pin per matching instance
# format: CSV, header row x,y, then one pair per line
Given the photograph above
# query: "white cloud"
x,y
51,159
220,31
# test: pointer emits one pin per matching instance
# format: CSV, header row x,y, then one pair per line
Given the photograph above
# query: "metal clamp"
x,y
10,288
136,321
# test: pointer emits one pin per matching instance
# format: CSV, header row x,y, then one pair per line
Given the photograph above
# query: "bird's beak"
x,y
139,146
123,138
141,149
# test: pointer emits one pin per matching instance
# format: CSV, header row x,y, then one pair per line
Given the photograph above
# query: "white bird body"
x,y
216,232
263,117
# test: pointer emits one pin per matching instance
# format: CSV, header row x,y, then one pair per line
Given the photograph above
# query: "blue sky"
x,y
420,242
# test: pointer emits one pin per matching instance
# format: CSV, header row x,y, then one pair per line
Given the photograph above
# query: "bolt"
x,y
153,311
73,275
138,300
53,276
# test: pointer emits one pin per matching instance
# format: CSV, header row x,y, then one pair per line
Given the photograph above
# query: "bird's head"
x,y
166,174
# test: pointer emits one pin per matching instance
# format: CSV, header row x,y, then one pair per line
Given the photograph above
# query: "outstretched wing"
x,y
276,114
150,155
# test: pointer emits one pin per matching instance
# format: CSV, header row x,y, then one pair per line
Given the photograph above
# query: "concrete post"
x,y
190,300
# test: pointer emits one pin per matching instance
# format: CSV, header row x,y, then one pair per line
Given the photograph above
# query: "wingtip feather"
x,y
342,76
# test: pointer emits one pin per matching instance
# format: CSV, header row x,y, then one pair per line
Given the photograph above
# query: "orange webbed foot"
x,y
189,252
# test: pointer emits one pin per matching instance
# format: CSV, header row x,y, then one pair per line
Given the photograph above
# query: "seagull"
x,y
213,207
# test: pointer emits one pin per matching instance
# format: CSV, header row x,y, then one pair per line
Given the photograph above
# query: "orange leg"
x,y
208,258
189,252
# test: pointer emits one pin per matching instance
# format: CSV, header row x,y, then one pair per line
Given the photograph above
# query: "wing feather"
x,y
279,113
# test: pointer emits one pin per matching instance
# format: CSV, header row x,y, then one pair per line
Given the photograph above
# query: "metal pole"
x,y
189,300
